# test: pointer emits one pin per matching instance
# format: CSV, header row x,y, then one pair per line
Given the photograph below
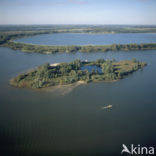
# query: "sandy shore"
x,y
63,89
54,65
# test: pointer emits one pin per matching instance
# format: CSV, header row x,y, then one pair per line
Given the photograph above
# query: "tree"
x,y
107,68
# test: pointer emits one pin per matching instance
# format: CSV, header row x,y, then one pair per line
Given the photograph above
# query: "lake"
x,y
89,39
71,122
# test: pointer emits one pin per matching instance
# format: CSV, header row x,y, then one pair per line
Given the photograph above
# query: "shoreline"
x,y
52,49
62,89
65,89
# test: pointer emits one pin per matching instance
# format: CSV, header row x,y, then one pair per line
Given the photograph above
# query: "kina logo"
x,y
137,150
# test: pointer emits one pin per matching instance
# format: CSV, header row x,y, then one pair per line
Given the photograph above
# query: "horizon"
x,y
85,24
78,12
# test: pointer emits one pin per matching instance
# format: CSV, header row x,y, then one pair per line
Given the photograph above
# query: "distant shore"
x,y
7,40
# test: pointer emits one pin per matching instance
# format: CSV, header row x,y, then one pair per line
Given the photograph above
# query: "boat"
x,y
107,107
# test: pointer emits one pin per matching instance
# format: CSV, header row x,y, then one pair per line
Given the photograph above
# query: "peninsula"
x,y
77,71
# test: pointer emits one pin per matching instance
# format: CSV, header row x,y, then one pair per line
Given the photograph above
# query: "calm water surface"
x,y
93,39
42,123
92,68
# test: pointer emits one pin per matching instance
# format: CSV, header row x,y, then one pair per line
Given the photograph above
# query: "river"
x,y
73,123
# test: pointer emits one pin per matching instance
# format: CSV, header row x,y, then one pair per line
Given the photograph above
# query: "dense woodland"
x,y
67,73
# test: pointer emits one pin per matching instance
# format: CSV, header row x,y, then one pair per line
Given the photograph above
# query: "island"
x,y
57,74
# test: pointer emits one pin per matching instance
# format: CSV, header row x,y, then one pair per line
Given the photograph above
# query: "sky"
x,y
78,12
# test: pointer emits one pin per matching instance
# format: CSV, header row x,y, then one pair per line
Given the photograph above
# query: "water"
x,y
91,68
42,123
89,39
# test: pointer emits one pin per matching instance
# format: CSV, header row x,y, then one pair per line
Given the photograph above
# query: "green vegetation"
x,y
30,48
67,73
6,37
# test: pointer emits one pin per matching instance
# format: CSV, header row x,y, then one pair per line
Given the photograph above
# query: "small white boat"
x,y
107,107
